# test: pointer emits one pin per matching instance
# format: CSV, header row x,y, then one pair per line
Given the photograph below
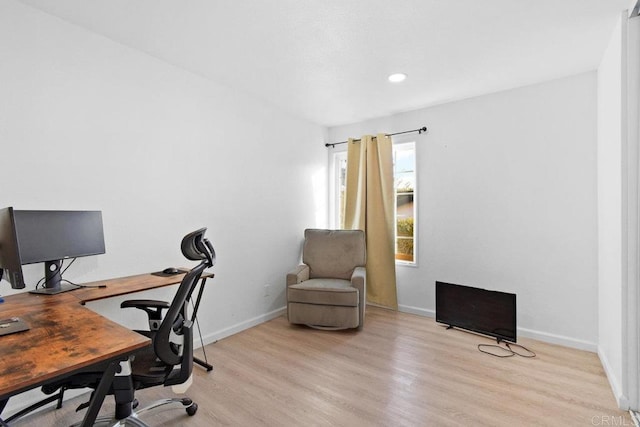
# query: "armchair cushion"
x,y
333,253
324,291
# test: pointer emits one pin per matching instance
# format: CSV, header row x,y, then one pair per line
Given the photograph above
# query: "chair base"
x,y
133,420
323,316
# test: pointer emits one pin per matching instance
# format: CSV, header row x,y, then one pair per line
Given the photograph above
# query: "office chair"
x,y
165,362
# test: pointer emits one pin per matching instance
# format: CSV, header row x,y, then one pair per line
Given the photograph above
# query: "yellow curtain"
x,y
370,206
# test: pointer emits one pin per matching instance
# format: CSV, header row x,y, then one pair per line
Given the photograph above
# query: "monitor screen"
x,y
28,237
54,235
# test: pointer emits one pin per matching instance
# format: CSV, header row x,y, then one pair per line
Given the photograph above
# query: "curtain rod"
x,y
420,130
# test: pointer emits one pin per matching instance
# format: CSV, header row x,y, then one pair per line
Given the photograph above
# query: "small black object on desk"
x,y
12,325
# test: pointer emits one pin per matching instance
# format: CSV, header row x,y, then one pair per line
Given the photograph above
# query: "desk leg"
x,y
204,363
99,394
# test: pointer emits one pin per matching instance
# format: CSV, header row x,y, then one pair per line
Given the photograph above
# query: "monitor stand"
x,y
53,279
53,291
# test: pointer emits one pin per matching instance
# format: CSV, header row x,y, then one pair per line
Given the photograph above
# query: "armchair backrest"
x,y
333,253
194,247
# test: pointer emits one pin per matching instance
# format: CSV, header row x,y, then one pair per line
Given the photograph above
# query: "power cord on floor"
x,y
506,351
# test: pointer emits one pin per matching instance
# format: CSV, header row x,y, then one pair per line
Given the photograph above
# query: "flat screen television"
x,y
29,237
486,312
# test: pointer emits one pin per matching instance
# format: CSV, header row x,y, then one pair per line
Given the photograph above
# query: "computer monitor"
x,y
29,237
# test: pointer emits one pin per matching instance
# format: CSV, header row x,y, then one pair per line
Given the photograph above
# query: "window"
x,y
340,173
404,171
404,167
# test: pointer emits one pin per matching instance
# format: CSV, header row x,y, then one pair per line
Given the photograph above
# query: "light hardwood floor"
x,y
400,370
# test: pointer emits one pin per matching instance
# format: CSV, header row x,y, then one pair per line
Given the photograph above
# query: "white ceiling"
x,y
328,60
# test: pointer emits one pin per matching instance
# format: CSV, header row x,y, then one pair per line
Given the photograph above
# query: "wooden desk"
x,y
127,285
66,337
63,338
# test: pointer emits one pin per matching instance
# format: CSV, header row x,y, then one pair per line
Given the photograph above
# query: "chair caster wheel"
x,y
191,410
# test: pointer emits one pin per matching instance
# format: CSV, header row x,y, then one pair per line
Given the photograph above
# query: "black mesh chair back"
x,y
194,247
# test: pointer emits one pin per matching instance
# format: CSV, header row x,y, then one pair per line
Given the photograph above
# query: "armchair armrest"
x,y
298,275
153,308
359,279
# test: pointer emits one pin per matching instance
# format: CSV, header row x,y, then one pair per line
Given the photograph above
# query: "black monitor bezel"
x,y
9,253
12,259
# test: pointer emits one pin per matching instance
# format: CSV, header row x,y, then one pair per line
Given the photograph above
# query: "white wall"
x,y
610,136
631,196
618,216
507,201
86,123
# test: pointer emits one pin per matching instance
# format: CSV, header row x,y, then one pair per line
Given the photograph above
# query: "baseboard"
x,y
239,327
621,399
524,332
559,339
416,310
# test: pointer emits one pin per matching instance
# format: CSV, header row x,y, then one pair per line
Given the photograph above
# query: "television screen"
x,y
491,313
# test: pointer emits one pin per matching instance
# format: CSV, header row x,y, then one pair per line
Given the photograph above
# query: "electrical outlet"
x,y
266,290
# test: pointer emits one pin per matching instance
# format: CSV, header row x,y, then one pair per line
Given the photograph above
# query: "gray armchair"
x,y
328,291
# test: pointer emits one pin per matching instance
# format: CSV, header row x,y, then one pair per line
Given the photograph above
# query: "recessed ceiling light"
x,y
397,77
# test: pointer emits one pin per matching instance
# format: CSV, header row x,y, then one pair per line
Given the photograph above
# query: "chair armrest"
x,y
298,275
145,304
152,307
139,303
